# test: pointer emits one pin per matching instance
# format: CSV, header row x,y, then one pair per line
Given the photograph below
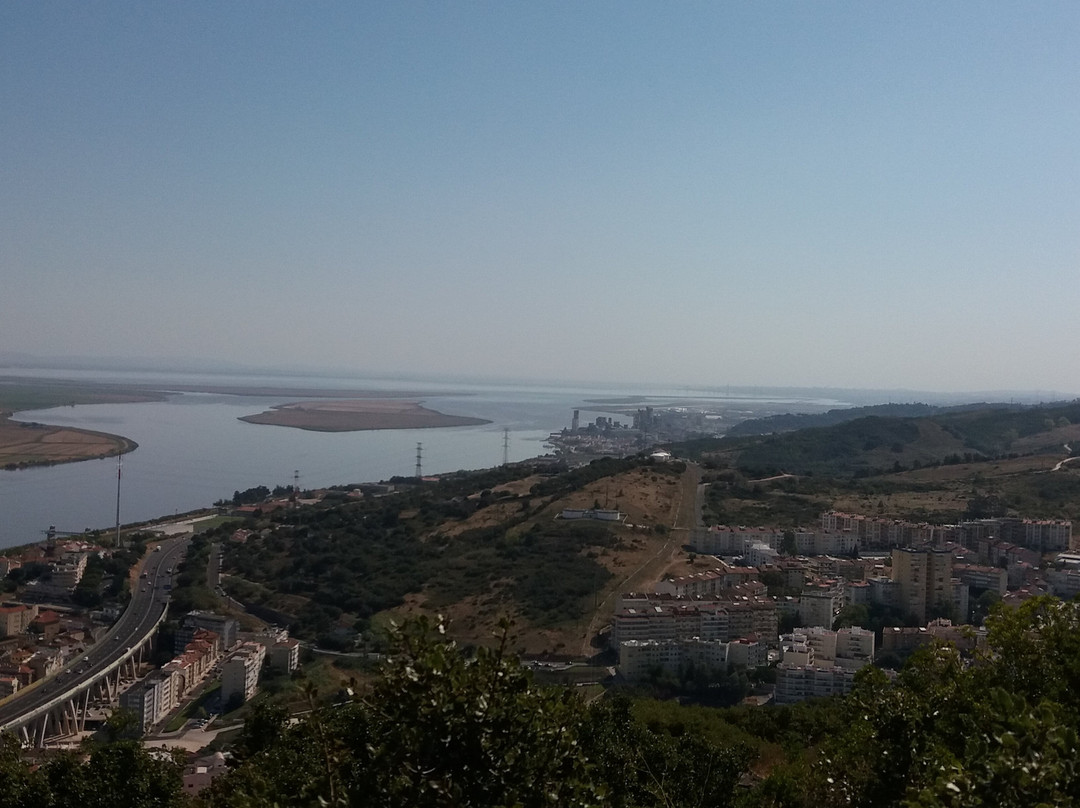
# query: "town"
x,y
802,600
50,646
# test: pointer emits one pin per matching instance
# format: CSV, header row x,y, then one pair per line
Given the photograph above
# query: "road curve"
x,y
148,604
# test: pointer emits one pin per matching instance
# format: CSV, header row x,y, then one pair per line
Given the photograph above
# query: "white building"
x,y
759,554
848,648
671,618
724,540
1065,584
200,773
240,673
797,683
150,700
638,658
285,655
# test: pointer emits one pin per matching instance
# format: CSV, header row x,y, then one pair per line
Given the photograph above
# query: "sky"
x,y
878,195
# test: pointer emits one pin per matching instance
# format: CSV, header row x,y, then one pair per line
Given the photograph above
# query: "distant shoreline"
x,y
26,445
358,415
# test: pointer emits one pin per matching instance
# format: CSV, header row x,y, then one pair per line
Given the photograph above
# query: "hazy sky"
x,y
850,194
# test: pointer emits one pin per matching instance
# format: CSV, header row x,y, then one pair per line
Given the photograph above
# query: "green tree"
x,y
20,786
1035,651
646,768
788,545
439,728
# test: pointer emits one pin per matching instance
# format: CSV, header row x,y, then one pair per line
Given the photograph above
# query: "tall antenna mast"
x,y
119,467
506,446
296,488
419,473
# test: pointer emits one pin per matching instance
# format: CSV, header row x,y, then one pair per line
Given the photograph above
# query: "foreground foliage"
x,y
109,774
441,728
999,732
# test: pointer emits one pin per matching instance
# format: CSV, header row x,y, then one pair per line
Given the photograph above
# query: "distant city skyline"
x,y
846,195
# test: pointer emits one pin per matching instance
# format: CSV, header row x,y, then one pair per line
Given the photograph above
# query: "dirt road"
x,y
687,516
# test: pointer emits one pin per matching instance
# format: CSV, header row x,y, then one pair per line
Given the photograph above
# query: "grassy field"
x,y
17,395
24,444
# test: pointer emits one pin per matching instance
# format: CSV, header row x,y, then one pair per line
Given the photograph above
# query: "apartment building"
x,y
15,618
639,658
192,664
725,540
902,640
848,648
1064,583
981,577
150,700
240,673
924,578
708,582
796,683
816,543
663,618
226,628
285,655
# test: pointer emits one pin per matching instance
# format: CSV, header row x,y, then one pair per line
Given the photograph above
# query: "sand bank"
x,y
358,414
26,444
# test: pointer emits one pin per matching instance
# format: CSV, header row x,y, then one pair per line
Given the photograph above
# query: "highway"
x,y
149,601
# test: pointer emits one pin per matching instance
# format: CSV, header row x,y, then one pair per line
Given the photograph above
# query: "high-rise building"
x,y
924,580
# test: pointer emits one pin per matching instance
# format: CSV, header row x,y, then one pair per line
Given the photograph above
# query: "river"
x,y
193,450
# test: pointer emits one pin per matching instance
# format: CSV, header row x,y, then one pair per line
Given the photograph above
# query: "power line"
x,y
119,466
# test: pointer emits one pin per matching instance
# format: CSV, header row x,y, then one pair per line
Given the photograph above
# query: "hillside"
x,y
484,545
790,422
475,547
877,444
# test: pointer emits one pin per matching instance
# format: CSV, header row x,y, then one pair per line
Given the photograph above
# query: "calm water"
x,y
193,450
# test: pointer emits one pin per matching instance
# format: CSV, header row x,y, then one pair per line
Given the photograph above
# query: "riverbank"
x,y
357,415
24,445
29,444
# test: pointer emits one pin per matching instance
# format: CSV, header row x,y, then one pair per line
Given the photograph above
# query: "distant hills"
x,y
893,437
789,422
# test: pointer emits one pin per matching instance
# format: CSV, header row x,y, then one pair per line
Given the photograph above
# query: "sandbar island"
x,y
354,415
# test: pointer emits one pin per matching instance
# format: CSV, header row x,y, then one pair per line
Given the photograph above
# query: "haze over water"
x,y
193,450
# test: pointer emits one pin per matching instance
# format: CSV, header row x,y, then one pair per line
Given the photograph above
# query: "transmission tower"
x,y
296,488
119,466
506,447
419,473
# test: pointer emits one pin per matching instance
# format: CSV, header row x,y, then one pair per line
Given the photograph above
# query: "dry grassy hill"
x,y
658,508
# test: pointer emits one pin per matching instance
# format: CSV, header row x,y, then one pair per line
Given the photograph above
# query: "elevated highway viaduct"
x,y
58,705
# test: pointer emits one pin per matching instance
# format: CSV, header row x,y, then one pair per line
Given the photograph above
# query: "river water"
x,y
193,450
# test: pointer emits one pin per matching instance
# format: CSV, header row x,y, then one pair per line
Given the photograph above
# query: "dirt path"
x,y
784,476
1061,463
687,516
